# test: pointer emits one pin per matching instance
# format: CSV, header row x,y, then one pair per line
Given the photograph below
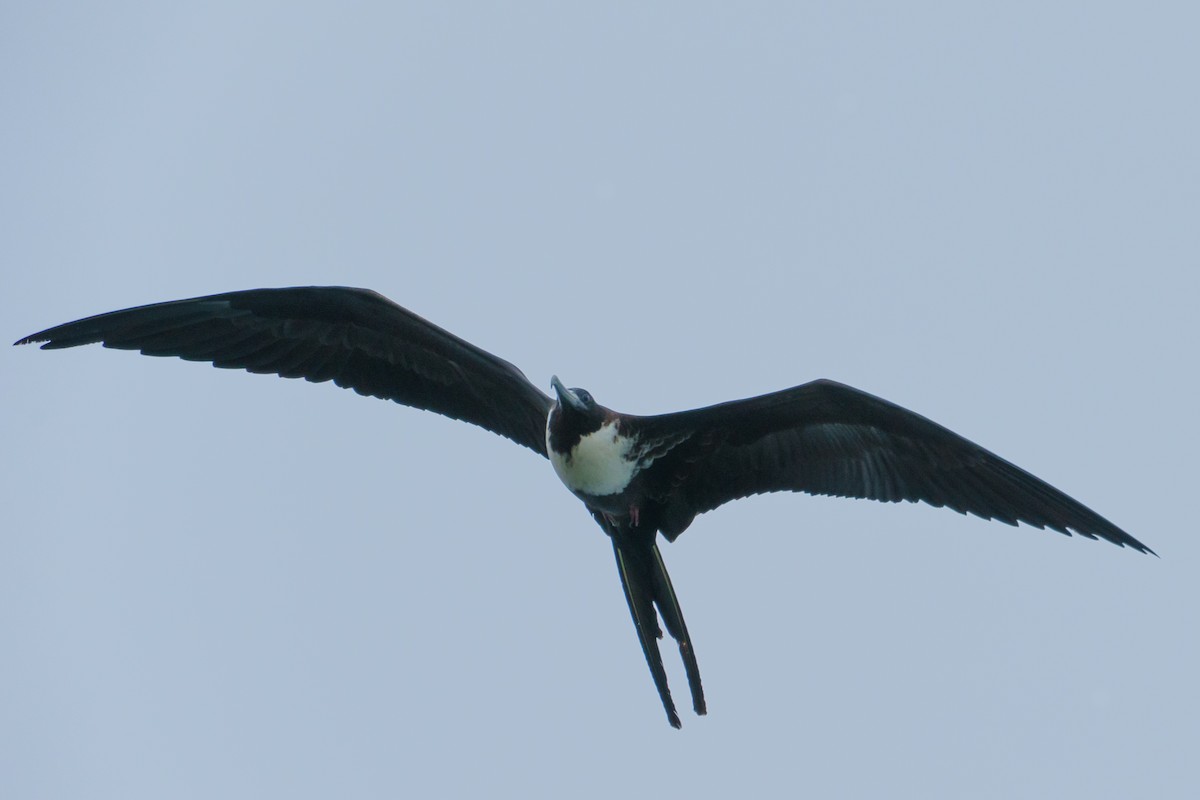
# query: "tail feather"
x,y
672,614
647,585
639,590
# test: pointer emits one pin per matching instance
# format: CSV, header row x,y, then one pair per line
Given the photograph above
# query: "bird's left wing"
x,y
354,337
827,438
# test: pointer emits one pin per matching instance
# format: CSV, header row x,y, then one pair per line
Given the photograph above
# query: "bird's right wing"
x,y
827,438
354,337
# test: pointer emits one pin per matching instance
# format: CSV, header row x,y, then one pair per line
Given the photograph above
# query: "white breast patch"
x,y
598,464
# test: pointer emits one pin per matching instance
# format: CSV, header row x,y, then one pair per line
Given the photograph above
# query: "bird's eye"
x,y
584,396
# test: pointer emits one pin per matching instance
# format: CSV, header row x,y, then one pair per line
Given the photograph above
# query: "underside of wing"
x,y
356,338
830,439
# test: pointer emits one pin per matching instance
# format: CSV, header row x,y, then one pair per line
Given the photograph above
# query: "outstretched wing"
x,y
827,438
354,337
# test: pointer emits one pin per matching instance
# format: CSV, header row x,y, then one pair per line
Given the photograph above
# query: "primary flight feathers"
x,y
638,475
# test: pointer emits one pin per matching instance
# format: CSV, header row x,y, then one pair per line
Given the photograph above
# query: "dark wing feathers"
x,y
354,337
831,439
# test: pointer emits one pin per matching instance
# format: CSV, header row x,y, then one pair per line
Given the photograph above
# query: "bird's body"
x,y
638,476
598,467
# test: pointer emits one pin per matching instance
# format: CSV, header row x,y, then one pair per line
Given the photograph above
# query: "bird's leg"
x,y
615,521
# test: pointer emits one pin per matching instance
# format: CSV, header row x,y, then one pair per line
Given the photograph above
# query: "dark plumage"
x,y
638,476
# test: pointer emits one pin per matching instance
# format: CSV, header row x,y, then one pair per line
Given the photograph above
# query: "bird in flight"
x,y
638,476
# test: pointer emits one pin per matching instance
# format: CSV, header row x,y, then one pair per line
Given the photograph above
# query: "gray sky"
x,y
222,585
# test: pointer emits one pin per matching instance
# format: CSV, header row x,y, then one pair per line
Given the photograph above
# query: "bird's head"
x,y
575,414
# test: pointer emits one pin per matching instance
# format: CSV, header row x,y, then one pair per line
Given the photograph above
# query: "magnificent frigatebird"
x,y
639,476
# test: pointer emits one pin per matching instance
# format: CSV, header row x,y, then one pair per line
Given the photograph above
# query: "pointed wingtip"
x,y
41,337
1142,548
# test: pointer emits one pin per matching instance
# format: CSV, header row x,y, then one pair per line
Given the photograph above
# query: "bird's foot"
x,y
614,520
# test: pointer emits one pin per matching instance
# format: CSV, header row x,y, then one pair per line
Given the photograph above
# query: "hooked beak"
x,y
565,396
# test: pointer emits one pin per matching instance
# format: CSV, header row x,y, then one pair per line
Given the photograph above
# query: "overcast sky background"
x,y
221,585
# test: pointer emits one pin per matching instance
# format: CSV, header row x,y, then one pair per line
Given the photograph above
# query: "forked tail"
x,y
647,585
